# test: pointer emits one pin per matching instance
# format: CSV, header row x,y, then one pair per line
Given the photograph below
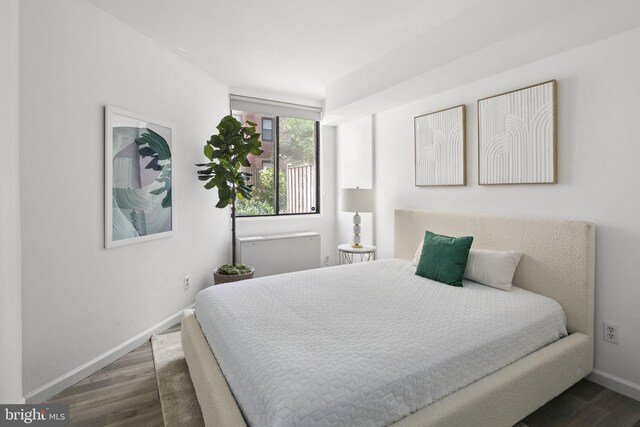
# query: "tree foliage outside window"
x,y
263,200
295,145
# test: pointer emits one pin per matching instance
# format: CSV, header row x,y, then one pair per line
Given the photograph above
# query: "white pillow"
x,y
492,268
416,257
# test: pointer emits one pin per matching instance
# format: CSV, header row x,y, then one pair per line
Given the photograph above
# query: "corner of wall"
x,y
10,244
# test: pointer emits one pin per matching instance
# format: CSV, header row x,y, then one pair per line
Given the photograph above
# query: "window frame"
x,y
276,171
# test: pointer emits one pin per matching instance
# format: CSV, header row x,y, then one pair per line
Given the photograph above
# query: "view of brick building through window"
x,y
294,142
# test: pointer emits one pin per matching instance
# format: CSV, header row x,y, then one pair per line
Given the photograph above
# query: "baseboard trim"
x,y
615,383
65,381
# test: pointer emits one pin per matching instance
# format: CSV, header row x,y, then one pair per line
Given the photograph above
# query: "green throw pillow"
x,y
444,258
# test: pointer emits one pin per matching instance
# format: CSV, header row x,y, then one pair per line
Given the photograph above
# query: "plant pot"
x,y
227,278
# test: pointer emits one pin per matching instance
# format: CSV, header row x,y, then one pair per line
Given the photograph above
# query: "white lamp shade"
x,y
357,200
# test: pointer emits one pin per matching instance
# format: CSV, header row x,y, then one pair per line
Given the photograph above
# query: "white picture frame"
x,y
440,148
139,157
517,138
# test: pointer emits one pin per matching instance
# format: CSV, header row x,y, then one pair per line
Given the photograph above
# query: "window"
x,y
267,129
286,176
290,152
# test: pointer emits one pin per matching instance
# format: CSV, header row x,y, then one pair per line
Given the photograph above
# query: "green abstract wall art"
x,y
138,178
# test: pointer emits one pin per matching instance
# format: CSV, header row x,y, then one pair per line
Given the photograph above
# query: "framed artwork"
x,y
440,146
517,136
138,178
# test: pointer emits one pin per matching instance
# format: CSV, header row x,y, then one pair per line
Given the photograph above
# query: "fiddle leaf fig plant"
x,y
226,153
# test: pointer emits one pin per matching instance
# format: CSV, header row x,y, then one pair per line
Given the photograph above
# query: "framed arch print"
x,y
517,136
440,146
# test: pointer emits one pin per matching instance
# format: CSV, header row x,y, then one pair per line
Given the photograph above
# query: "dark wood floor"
x,y
125,393
587,404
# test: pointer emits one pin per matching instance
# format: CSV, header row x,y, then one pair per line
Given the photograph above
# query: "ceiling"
x,y
357,57
288,47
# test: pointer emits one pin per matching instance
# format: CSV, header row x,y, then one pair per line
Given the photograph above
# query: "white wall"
x,y
81,300
354,166
10,258
323,223
506,34
598,93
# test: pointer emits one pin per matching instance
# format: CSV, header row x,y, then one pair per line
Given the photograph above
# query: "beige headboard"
x,y
558,255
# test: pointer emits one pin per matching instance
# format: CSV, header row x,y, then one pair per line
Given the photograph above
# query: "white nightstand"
x,y
346,253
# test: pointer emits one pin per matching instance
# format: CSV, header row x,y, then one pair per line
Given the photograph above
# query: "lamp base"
x,y
356,231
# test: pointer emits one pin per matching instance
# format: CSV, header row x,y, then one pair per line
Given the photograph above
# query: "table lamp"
x,y
357,200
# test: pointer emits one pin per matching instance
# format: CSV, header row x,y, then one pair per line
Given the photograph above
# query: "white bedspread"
x,y
364,344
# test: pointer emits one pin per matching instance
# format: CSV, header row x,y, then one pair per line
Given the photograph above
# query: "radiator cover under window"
x,y
280,253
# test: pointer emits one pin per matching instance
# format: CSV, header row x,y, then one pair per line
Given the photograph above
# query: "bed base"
x,y
500,399
218,405
558,262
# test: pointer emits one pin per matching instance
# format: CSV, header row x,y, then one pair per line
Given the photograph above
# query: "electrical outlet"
x,y
326,261
610,332
186,281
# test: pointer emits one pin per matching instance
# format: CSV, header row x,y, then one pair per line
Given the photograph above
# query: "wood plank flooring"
x,y
587,404
125,393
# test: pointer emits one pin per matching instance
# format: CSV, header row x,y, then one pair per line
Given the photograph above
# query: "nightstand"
x,y
346,253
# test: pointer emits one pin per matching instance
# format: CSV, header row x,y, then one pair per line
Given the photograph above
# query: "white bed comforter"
x,y
364,344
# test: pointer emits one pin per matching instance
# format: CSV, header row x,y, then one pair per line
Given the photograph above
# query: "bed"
x,y
558,263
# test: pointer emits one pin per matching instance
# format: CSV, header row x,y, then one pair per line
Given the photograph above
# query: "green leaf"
x,y
166,202
145,152
209,185
216,141
156,143
208,152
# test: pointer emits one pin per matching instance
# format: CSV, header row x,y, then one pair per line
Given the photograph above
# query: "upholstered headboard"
x,y
558,255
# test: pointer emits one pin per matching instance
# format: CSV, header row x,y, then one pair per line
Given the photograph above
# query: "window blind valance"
x,y
276,108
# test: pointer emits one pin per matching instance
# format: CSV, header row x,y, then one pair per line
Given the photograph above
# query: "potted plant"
x,y
226,153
